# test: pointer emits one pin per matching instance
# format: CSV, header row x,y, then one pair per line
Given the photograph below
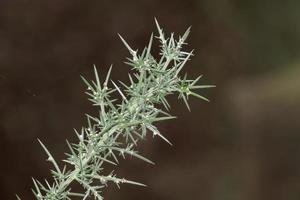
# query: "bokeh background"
x,y
244,144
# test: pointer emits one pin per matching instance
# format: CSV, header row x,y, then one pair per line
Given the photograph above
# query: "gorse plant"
x,y
119,126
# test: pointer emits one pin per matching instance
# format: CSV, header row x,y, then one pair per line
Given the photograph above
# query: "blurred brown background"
x,y
245,144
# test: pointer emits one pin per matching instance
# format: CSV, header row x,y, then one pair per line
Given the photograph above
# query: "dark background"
x,y
244,144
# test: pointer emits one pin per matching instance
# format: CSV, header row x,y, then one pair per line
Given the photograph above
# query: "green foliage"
x,y
118,128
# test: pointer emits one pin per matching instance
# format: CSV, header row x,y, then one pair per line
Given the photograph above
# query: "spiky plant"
x,y
102,140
